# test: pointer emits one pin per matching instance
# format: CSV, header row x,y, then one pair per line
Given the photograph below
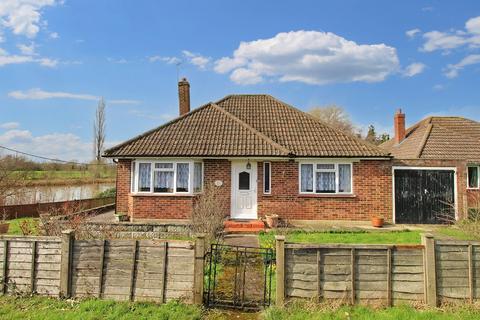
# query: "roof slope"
x,y
246,125
454,138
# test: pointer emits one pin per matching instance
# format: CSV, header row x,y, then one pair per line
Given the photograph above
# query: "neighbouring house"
x,y
435,168
262,156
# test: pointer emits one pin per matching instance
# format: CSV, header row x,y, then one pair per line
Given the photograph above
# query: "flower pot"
x,y
272,220
4,228
377,222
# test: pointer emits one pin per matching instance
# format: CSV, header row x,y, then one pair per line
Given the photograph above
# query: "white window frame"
x,y
191,168
478,178
315,170
269,176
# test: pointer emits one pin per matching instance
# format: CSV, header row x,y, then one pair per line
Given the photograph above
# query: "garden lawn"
x,y
41,308
351,237
14,228
303,311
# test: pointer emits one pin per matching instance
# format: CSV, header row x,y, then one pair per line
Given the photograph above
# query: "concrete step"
x,y
243,226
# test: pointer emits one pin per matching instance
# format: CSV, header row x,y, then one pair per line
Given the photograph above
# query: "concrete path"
x,y
108,216
243,240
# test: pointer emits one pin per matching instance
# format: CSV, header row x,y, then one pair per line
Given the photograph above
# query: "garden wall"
x,y
436,271
135,270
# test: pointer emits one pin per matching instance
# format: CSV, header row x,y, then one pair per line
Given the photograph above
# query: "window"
x,y
267,171
473,180
244,181
167,177
325,178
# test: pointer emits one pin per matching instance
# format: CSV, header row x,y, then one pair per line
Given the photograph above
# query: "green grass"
x,y
453,233
352,237
41,308
14,228
303,311
65,174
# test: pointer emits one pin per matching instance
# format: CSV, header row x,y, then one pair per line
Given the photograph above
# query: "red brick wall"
x,y
371,186
161,207
123,185
219,170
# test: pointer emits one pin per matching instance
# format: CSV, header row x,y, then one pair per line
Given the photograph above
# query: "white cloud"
x,y
438,87
196,59
39,94
9,125
414,69
438,40
452,70
6,59
54,35
412,33
143,114
168,60
118,61
28,50
23,17
65,146
310,57
47,62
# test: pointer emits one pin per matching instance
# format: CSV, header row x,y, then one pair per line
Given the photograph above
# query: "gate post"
x,y
198,269
430,269
280,262
66,263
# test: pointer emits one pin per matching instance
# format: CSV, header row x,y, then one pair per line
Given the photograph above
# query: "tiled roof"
x,y
246,125
453,138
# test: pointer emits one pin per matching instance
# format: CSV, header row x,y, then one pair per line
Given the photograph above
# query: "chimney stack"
x,y
184,96
399,126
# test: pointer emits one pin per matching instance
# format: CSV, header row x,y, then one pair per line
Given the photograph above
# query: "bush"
x,y
110,192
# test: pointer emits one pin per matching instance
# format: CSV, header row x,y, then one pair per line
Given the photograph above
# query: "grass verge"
x,y
41,308
311,311
14,228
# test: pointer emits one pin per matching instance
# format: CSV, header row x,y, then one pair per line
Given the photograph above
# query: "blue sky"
x,y
370,57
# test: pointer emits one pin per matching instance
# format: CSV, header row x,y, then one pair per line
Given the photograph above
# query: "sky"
x,y
58,57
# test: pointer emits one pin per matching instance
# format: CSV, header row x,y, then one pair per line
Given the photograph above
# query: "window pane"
x,y
182,177
306,172
325,166
244,181
163,181
266,177
144,177
163,165
473,177
325,182
197,177
344,178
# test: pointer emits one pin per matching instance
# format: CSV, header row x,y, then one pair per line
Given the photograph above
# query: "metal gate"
x,y
424,196
238,277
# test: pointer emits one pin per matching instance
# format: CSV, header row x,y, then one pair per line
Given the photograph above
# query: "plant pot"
x,y
4,228
272,221
377,222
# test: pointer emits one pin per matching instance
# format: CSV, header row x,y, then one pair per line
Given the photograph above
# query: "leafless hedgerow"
x,y
209,214
12,182
469,221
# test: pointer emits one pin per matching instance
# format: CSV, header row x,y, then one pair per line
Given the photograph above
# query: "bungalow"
x,y
435,169
262,155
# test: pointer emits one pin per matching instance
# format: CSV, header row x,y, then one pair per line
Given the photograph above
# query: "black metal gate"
x,y
238,277
424,196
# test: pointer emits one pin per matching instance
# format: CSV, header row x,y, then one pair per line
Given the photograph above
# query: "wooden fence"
x,y
135,270
433,272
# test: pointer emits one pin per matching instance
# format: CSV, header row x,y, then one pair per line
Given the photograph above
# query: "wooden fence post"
x,y
280,262
198,269
430,270
66,263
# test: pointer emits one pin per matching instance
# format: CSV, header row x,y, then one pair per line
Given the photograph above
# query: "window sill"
x,y
326,195
163,195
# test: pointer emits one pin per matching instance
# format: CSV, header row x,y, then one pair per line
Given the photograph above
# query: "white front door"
x,y
244,190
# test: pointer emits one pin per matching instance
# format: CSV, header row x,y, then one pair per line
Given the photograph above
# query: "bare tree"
x,y
12,181
99,131
335,116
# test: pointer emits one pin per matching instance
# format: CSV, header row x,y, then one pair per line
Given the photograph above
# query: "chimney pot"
x,y
399,126
183,96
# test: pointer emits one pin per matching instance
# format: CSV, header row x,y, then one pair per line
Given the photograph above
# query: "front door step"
x,y
243,226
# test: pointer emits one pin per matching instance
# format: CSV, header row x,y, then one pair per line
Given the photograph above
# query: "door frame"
x,y
233,188
455,195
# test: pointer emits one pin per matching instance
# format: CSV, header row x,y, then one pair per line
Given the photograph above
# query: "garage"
x,y
424,195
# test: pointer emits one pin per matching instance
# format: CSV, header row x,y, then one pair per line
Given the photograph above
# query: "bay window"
x,y
473,179
167,177
326,178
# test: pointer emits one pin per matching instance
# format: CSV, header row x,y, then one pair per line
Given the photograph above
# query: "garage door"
x,y
424,196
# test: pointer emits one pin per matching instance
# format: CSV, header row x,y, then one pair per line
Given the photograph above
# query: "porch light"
x,y
249,165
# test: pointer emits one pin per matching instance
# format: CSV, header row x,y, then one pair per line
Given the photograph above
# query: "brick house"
x,y
435,169
262,156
